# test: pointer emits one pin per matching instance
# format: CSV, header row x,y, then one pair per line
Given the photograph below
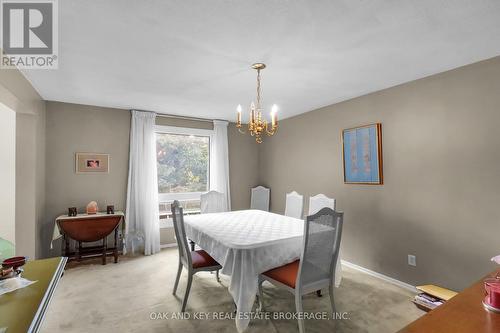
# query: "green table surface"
x,y
19,308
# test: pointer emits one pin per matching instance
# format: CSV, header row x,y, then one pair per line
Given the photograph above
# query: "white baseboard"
x,y
164,246
380,276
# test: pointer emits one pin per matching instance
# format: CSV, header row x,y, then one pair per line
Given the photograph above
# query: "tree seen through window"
x,y
183,162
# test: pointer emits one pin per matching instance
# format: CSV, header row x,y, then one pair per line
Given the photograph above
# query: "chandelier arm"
x,y
272,131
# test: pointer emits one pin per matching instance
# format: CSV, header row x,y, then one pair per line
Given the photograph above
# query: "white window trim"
x,y
186,196
183,196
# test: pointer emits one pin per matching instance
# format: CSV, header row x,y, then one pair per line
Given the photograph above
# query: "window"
x,y
183,157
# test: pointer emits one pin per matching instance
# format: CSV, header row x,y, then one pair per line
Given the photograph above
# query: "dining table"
x,y
247,243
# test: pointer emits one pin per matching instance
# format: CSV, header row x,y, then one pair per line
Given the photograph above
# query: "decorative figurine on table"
x,y
110,209
72,211
92,208
492,286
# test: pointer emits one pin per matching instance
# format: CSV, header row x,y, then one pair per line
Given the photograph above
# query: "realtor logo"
x,y
29,34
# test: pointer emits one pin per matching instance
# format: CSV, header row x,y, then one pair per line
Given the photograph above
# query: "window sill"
x,y
165,224
166,219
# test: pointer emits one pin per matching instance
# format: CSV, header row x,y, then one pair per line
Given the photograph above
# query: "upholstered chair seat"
x,y
201,258
286,274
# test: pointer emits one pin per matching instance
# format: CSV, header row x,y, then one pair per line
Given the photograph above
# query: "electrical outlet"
x,y
412,260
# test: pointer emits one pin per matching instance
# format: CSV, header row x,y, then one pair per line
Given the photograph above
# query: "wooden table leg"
x,y
63,242
79,251
104,250
116,245
66,246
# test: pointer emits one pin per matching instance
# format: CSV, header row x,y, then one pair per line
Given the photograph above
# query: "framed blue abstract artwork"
x,y
362,150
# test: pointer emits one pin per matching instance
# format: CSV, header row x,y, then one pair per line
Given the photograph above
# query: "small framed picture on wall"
x,y
92,163
362,154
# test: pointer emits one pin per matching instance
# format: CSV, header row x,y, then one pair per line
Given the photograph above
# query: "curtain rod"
x,y
184,117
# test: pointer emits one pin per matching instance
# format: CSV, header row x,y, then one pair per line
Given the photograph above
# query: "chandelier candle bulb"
x,y
274,118
239,114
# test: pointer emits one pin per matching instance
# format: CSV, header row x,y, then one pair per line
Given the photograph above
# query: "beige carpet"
x,y
124,297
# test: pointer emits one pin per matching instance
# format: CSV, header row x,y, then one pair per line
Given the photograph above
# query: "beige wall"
x,y
17,93
79,128
181,122
243,167
8,172
441,156
75,128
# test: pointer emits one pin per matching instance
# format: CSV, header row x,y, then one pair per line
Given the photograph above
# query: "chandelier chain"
x,y
258,90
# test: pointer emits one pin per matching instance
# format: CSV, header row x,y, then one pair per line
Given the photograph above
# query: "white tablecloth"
x,y
247,243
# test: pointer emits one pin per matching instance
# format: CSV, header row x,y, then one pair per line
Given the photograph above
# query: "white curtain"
x,y
219,161
142,215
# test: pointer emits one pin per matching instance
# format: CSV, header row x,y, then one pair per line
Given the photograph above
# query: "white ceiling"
x,y
193,58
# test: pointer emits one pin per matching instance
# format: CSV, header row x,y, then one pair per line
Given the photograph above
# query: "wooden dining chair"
x,y
316,267
193,261
260,198
320,201
213,202
294,205
315,204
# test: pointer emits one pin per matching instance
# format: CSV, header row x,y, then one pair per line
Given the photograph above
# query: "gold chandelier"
x,y
257,126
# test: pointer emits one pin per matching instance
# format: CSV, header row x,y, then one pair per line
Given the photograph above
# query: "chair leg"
x,y
261,296
179,270
186,295
332,299
217,275
300,310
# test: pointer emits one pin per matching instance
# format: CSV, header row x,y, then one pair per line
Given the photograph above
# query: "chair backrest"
x,y
294,205
320,201
213,202
260,198
322,235
180,234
